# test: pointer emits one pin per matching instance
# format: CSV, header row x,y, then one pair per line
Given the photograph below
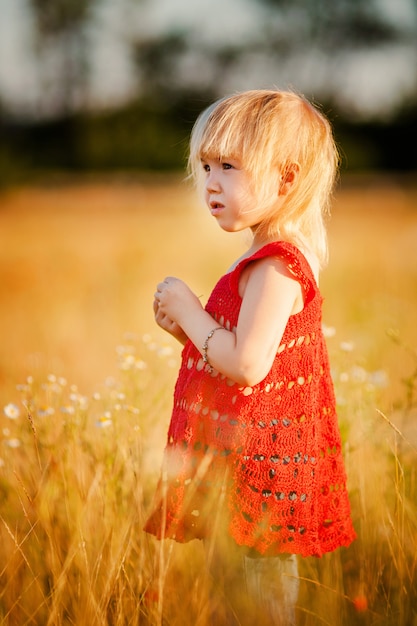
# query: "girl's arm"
x,y
271,295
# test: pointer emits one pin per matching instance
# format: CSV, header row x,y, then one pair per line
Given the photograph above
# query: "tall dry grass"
x,y
86,382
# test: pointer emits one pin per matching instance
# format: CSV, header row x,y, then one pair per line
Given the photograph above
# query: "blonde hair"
x,y
274,132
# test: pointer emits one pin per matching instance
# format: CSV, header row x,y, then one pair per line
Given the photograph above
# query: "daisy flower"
x,y
105,421
11,411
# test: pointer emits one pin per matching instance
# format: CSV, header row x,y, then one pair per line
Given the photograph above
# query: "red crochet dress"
x,y
272,450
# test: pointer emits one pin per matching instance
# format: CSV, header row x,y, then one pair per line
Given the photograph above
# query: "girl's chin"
x,y
230,228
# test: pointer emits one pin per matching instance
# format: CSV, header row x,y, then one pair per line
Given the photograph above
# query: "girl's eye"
x,y
206,167
227,166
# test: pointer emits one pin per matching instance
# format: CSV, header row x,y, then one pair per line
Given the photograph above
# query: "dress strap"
x,y
294,260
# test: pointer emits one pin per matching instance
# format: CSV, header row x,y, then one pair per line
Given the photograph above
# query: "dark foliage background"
x,y
177,75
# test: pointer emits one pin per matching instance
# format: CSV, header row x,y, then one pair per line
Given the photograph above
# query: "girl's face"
x,y
230,194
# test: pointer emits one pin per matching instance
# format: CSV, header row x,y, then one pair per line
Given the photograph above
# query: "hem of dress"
x,y
315,550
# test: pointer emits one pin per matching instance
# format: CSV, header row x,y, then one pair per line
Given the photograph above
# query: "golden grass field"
x,y
86,382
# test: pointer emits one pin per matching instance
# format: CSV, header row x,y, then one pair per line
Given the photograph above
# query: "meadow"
x,y
86,384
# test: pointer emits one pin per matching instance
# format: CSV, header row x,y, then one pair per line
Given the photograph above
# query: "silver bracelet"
x,y
205,346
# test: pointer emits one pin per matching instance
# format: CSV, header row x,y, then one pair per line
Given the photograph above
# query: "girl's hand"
x,y
173,301
167,324
176,300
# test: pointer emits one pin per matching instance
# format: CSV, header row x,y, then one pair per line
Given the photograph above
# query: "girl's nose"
x,y
212,183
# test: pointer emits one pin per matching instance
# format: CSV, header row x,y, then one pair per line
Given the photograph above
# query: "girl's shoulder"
x,y
302,265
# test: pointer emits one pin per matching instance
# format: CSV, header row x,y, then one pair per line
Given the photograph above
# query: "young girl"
x,y
253,463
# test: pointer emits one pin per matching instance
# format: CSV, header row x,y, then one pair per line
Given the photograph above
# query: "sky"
x,y
367,84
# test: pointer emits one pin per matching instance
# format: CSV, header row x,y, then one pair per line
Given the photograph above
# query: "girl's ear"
x,y
288,177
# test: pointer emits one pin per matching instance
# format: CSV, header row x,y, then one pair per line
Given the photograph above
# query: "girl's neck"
x,y
258,243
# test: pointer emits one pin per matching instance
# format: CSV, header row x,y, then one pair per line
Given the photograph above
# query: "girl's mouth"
x,y
216,208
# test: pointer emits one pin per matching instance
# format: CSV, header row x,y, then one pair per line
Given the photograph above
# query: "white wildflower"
x,y
328,331
83,402
12,443
379,378
11,411
358,374
68,409
105,421
45,411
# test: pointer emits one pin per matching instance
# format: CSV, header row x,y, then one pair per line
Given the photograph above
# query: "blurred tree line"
x,y
177,76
